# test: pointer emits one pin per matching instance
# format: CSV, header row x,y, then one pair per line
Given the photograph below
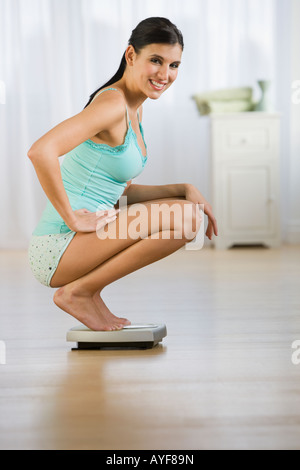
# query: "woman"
x,y
105,150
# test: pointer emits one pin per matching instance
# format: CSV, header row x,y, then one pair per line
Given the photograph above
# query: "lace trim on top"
x,y
120,148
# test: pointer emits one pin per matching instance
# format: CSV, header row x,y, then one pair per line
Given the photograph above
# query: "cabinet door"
x,y
248,201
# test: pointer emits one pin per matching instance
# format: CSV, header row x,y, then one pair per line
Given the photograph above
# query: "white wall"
x,y
293,228
194,167
52,55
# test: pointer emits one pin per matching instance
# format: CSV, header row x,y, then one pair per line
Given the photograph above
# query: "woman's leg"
x,y
78,297
105,261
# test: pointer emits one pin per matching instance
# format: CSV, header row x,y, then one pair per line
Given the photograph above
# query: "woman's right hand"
x,y
87,221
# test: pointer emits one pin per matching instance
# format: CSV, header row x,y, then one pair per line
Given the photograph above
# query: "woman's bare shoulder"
x,y
104,113
109,96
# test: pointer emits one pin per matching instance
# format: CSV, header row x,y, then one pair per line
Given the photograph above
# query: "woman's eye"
x,y
156,61
159,62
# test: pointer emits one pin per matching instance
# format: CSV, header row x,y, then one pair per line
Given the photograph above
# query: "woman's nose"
x,y
164,73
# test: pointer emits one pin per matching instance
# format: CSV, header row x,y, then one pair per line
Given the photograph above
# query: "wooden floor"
x,y
222,379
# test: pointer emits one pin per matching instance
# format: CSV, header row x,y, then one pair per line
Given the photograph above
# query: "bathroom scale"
x,y
135,336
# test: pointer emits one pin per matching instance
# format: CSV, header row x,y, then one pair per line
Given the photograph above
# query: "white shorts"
x,y
45,252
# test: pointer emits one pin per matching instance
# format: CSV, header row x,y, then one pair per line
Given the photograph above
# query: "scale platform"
x,y
136,336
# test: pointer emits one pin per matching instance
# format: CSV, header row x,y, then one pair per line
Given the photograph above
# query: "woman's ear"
x,y
130,55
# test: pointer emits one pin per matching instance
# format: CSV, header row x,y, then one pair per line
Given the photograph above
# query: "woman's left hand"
x,y
192,194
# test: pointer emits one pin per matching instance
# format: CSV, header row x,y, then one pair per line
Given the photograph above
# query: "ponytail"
x,y
118,75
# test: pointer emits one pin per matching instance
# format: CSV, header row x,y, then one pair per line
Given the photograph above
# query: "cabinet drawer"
x,y
247,139
243,138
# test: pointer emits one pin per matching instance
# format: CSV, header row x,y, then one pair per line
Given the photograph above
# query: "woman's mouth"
x,y
156,85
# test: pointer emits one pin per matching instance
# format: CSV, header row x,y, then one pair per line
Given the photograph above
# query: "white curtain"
x,y
55,53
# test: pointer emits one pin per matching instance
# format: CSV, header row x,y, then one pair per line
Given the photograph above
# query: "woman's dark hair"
x,y
153,30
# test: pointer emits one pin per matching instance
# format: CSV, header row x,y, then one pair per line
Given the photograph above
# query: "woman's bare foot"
x,y
84,309
104,309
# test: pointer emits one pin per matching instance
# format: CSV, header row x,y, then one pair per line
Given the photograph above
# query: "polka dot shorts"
x,y
45,252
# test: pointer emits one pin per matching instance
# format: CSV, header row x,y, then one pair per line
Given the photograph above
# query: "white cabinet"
x,y
245,178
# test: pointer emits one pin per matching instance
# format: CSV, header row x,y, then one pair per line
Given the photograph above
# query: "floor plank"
x,y
223,378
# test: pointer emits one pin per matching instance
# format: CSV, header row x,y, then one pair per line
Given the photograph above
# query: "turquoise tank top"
x,y
95,177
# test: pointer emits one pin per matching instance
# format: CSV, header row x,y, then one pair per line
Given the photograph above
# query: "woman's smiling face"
x,y
155,68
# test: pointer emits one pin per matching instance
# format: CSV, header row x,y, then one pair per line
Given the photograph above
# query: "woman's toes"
x,y
125,322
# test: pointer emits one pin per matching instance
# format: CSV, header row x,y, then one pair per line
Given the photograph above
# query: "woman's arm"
x,y
194,195
48,172
45,153
136,193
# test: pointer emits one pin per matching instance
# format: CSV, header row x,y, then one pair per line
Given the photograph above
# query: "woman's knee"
x,y
197,219
141,220
180,216
192,220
